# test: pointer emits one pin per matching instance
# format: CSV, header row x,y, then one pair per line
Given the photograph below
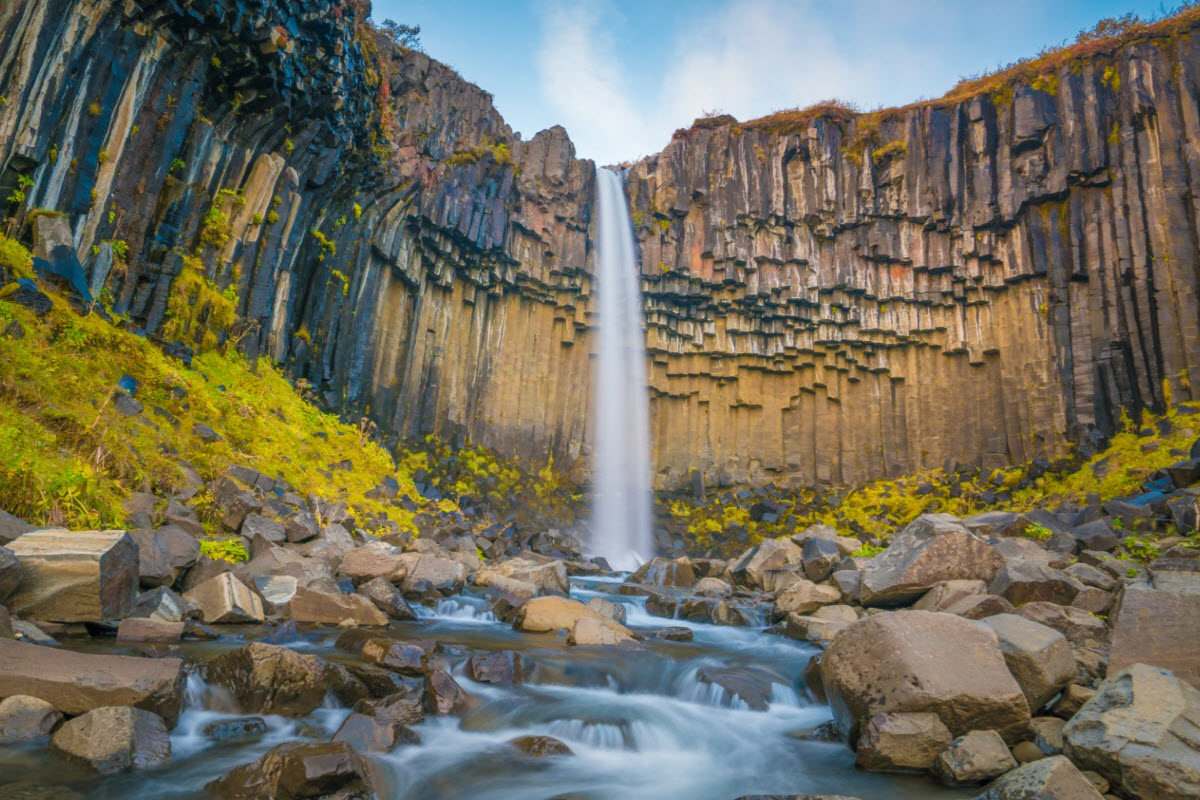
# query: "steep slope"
x,y
836,296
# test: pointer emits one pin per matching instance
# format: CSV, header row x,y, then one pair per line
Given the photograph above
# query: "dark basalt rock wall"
x,y
844,297
381,243
829,298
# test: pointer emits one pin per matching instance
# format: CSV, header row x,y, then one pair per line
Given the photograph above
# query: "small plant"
x,y
94,108
868,550
357,211
257,219
177,165
272,217
24,183
288,146
328,248
1036,531
1140,548
231,550
1132,572
102,157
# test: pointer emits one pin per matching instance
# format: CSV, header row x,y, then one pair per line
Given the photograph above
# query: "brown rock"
x,y
901,742
76,683
918,661
296,770
804,597
325,608
388,599
769,566
540,746
546,578
1022,582
25,719
225,600
1053,778
502,668
443,695
977,757
140,629
1037,656
591,631
1157,628
374,560
658,571
402,657
114,739
164,554
931,549
551,613
370,734
75,576
269,679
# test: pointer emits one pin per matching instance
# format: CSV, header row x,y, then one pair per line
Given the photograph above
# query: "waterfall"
x,y
621,467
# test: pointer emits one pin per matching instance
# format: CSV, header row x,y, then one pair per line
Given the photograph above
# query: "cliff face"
x,y
834,297
378,226
829,296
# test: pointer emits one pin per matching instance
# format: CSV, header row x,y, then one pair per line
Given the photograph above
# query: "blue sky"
x,y
621,75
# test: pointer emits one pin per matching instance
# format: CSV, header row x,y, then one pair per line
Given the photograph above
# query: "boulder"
x,y
431,577
258,525
75,576
920,661
114,739
1082,630
405,658
276,592
269,679
552,613
822,626
931,549
804,597
370,734
976,757
947,593
25,719
1053,778
502,668
616,611
225,599
996,523
296,771
547,578
594,631
334,609
820,558
75,683
164,554
901,742
1157,628
388,599
443,695
11,527
374,560
230,731
1096,535
752,685
1026,582
1039,657
540,746
163,604
979,606
1140,732
506,596
1073,698
712,587
759,567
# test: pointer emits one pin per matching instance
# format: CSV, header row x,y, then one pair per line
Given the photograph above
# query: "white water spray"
x,y
621,470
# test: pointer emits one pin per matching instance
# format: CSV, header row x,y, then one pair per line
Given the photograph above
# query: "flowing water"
x,y
621,463
641,724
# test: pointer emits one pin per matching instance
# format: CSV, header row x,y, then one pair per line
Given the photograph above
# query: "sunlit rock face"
x,y
843,297
821,304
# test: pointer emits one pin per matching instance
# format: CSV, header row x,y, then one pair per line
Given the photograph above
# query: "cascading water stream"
x,y
621,469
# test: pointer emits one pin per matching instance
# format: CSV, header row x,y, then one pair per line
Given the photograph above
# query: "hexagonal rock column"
x,y
75,576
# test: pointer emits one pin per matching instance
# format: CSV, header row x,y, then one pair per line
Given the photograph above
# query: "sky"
x,y
622,75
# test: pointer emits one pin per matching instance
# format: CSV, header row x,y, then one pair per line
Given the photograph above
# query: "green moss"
x,y
1036,531
198,313
890,151
328,247
498,151
231,550
15,258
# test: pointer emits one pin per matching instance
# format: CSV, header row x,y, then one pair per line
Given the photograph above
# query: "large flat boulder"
x,y
548,578
552,613
1140,731
1054,778
75,683
75,576
1158,628
922,661
114,739
931,549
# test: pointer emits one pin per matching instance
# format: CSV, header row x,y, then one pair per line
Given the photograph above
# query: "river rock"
x,y
976,757
548,578
507,596
406,706
295,770
804,597
388,599
920,661
930,549
370,734
616,611
552,613
708,587
540,746
76,683
140,629
230,731
594,631
761,566
431,577
1039,657
1054,778
901,742
405,658
1140,732
269,679
443,695
114,739
225,600
754,686
374,560
502,668
75,576
1157,628
25,719
327,608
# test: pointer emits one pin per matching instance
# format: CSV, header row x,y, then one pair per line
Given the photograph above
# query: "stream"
x,y
642,724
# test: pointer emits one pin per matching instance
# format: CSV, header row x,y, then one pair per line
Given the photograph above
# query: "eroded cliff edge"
x,y
830,296
835,296
379,228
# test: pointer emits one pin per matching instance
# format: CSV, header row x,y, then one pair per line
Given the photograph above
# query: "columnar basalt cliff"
x,y
834,296
830,296
380,229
